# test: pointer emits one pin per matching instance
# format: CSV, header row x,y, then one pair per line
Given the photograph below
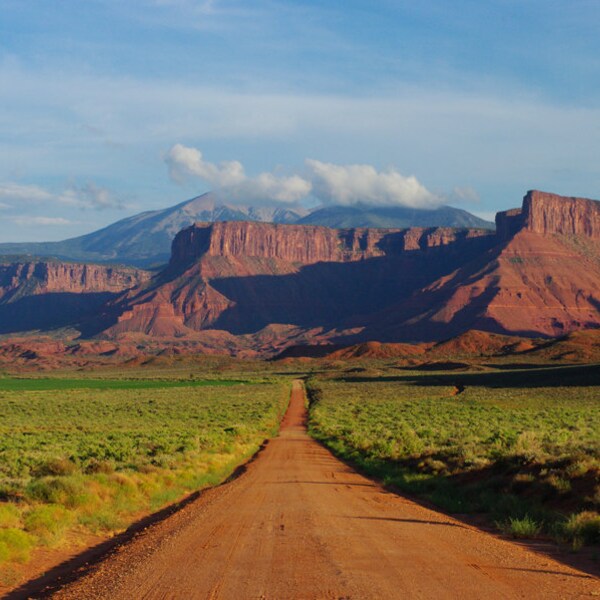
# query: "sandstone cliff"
x,y
548,214
243,276
307,244
34,278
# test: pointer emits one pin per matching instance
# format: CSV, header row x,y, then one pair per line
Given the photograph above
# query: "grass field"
x,y
501,443
14,384
81,455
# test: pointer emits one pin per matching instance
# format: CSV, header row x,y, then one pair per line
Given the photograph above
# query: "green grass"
x,y
13,384
91,455
524,527
521,454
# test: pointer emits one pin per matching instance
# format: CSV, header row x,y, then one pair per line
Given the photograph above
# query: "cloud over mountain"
x,y
230,176
327,182
86,196
363,184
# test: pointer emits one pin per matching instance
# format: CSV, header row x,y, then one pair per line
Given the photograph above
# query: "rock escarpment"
x,y
43,277
242,276
548,214
307,244
536,276
49,294
394,285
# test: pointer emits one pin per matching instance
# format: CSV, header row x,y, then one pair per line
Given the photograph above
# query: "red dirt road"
x,y
301,524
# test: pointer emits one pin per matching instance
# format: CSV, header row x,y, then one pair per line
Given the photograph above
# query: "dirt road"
x,y
301,524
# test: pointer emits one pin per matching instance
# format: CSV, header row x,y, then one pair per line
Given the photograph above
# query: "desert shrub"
x,y
102,521
582,528
56,466
15,545
313,392
528,446
48,522
67,491
95,465
10,517
524,527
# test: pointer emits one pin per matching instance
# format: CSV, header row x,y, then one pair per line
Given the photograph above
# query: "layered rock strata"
x,y
307,244
548,214
43,277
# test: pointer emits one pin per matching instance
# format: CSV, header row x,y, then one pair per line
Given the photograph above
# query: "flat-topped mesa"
x,y
547,213
41,277
305,244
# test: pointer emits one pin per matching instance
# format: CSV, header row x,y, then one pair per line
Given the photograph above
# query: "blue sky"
x,y
108,108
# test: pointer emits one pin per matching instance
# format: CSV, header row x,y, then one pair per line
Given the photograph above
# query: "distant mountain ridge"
x,y
144,240
393,217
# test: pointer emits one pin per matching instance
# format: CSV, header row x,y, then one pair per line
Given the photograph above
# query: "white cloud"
x,y
363,184
329,183
29,220
24,193
229,177
184,162
86,196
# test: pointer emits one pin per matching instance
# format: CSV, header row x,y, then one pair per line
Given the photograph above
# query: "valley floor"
x,y
301,524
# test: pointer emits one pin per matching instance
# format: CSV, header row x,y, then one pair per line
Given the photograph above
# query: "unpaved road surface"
x,y
301,524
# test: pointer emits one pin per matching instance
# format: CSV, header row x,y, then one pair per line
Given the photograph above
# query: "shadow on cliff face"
x,y
457,305
333,295
50,311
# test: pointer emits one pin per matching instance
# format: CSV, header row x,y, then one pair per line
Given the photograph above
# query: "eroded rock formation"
x,y
548,214
538,275
306,244
42,277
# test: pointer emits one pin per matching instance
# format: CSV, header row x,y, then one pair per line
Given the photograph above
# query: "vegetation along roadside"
x,y
77,459
529,457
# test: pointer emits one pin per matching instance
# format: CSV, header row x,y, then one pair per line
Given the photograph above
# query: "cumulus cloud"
x,y
327,182
363,184
184,162
86,196
230,178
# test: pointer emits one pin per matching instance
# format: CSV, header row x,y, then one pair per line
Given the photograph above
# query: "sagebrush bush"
x,y
48,522
10,517
15,545
583,528
524,527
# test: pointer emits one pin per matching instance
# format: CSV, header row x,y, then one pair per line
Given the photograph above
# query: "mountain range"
x,y
144,240
252,287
